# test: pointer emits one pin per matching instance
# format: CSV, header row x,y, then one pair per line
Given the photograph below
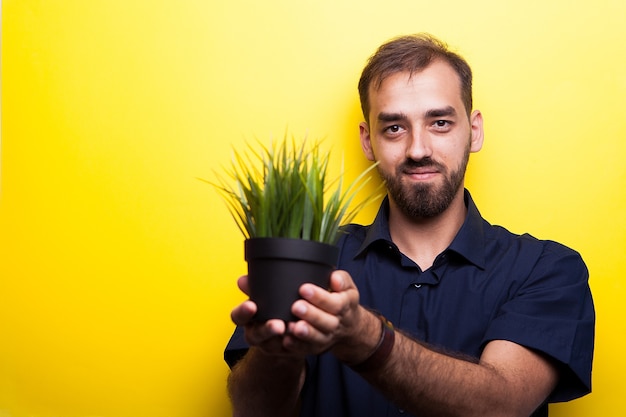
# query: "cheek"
x,y
453,161
450,152
389,166
386,162
388,154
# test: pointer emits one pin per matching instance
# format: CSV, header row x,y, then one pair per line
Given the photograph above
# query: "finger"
x,y
258,334
243,313
330,302
341,281
343,295
275,327
243,285
306,339
322,321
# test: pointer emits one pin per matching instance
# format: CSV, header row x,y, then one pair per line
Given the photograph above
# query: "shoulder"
x,y
500,243
546,304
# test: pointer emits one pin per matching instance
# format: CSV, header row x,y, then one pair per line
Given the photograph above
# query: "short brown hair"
x,y
412,53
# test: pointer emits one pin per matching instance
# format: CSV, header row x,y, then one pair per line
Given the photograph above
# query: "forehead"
x,y
436,86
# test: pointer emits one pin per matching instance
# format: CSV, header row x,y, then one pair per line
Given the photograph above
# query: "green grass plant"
x,y
284,191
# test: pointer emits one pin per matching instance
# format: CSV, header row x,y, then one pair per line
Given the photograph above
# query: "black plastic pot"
x,y
277,267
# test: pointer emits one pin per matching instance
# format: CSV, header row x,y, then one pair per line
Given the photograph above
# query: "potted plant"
x,y
290,214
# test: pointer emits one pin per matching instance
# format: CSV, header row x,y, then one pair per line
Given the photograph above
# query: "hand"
x,y
268,336
332,320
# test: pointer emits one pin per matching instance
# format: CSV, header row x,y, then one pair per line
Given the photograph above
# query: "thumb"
x,y
243,285
341,281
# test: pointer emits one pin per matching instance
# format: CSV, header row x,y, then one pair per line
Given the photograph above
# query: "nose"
x,y
419,145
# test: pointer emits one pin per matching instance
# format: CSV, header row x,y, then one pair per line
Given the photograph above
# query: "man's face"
x,y
421,137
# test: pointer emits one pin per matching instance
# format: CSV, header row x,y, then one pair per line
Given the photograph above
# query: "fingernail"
x,y
300,308
306,291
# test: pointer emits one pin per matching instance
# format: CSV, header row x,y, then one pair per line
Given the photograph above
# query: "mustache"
x,y
409,164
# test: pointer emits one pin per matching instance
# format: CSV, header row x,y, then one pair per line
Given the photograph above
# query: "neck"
x,y
423,239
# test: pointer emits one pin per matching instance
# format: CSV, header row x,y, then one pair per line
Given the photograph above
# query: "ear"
x,y
478,134
366,141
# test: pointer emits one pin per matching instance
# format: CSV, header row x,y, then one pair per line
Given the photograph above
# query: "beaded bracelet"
x,y
382,351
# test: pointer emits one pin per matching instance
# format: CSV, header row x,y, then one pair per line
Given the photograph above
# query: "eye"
x,y
442,125
393,129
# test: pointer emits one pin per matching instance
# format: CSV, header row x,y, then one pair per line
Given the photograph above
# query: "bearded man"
x,y
485,322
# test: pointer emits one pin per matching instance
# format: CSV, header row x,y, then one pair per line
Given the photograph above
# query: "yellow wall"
x,y
118,267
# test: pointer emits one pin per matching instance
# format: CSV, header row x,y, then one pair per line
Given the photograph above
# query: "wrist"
x,y
381,352
275,361
361,339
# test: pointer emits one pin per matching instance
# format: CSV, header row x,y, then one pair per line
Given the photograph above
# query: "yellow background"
x,y
118,267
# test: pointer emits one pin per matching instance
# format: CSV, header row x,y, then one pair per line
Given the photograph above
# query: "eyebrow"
x,y
447,111
391,117
443,112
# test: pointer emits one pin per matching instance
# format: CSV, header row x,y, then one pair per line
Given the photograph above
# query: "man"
x,y
486,322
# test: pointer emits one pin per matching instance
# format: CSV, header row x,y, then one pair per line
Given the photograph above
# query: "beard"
x,y
424,200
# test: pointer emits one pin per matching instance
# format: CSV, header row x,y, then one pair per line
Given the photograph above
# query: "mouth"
x,y
421,173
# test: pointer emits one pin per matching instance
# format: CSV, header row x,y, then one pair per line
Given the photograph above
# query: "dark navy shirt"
x,y
489,284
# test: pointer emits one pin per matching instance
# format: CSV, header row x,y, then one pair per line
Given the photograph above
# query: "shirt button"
x,y
417,285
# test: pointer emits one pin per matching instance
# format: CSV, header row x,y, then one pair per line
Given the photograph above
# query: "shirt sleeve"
x,y
237,347
552,312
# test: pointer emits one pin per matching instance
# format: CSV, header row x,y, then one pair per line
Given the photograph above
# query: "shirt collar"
x,y
469,242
